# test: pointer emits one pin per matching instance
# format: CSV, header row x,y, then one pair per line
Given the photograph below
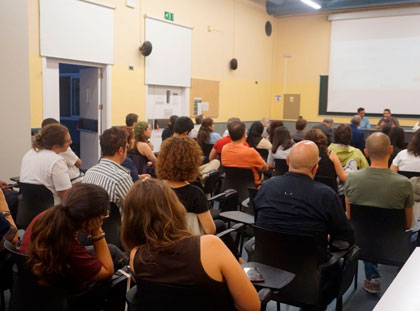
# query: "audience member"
x,y
236,154
55,254
378,186
109,174
128,163
396,135
345,152
131,120
295,204
162,250
198,121
206,134
183,126
408,159
169,131
255,139
265,122
42,165
364,123
357,136
8,231
272,128
11,197
179,162
300,130
142,134
326,128
388,119
282,144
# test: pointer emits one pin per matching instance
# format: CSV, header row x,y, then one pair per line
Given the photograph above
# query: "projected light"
x,y
312,4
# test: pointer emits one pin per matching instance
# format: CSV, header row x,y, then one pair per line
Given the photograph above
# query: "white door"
x,y
90,101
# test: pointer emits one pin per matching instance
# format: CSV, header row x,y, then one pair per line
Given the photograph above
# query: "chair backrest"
x,y
381,235
263,153
211,182
281,167
409,174
206,149
294,253
111,226
239,179
252,192
35,199
327,180
229,201
163,297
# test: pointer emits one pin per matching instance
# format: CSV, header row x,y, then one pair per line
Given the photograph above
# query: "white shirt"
x,y
279,154
70,157
406,161
47,168
194,131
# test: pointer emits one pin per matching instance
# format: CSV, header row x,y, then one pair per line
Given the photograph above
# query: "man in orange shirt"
x,y
236,154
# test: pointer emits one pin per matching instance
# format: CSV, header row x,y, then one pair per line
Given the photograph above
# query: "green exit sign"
x,y
169,16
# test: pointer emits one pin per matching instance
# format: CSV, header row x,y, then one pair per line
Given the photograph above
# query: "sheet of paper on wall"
x,y
205,106
197,105
167,112
176,100
159,99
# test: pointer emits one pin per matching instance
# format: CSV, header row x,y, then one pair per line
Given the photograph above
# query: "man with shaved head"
x,y
378,186
296,204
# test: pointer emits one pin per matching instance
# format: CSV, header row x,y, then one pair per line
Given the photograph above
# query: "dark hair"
x,y
360,109
183,124
171,121
281,138
342,134
387,109
203,136
199,119
236,130
272,127
111,140
414,144
386,129
52,232
50,136
48,121
179,159
319,138
130,119
396,136
300,124
130,136
254,135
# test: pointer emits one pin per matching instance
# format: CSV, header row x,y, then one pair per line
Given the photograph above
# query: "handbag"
x,y
194,225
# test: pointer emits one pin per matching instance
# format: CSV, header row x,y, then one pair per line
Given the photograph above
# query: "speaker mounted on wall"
x,y
268,28
146,48
233,64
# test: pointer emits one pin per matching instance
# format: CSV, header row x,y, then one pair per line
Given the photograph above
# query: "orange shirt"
x,y
239,155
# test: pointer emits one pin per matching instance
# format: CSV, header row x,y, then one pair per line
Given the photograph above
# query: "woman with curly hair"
x,y
408,159
179,162
206,134
162,250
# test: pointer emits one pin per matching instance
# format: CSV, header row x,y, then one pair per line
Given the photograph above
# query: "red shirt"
x,y
218,145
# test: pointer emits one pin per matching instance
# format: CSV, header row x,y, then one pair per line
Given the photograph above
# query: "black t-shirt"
x,y
167,132
192,198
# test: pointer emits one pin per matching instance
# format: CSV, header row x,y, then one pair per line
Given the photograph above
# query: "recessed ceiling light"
x,y
312,4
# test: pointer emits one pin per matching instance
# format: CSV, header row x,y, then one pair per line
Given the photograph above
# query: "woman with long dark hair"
x,y
162,249
206,134
408,159
272,128
282,144
255,139
169,131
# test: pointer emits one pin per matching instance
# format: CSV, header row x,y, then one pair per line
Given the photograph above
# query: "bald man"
x,y
378,186
294,203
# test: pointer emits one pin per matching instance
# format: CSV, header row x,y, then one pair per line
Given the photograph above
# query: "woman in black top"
x,y
169,131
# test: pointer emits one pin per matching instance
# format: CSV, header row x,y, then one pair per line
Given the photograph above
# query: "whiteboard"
x,y
77,30
375,64
170,61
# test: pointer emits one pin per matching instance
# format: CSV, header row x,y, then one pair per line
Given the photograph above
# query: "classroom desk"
x,y
403,293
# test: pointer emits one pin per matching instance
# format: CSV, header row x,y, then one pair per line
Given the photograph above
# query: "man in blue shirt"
x,y
364,124
357,136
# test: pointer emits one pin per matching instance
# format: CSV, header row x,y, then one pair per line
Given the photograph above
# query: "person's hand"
x,y
144,176
149,163
3,183
78,163
94,226
333,157
3,204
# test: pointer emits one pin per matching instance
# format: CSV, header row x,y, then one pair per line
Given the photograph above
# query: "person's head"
x,y
131,120
356,120
272,127
183,126
396,136
300,124
172,120
130,136
199,119
230,120
378,147
342,134
319,138
48,121
303,158
265,122
49,249
113,143
179,159
237,130
414,144
328,122
281,138
386,129
361,112
153,217
53,137
254,135
203,135
142,131
387,113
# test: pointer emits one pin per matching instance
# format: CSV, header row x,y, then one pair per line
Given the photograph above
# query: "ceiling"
x,y
289,7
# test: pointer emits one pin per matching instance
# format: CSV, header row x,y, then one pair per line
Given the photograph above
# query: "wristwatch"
x,y
6,213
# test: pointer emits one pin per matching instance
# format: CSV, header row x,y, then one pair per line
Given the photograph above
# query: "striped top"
x,y
111,176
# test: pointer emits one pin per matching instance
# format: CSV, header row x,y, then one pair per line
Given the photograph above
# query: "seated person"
x,y
183,127
345,152
255,139
282,144
8,231
198,121
265,122
380,187
296,204
131,120
11,197
154,230
206,134
396,135
42,165
179,162
408,159
146,160
55,254
236,154
364,124
128,163
327,128
357,136
169,131
272,128
388,119
300,130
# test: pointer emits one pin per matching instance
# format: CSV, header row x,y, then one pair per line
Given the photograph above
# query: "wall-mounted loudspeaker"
x,y
268,28
146,48
233,64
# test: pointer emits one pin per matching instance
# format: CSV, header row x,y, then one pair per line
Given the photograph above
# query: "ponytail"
x,y
51,135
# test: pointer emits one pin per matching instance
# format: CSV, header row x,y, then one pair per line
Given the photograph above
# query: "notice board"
x,y
204,98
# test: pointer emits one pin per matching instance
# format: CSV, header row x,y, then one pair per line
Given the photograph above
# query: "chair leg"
x,y
2,302
339,304
278,306
356,276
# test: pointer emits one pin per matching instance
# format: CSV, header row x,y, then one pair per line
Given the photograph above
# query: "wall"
x,y
14,86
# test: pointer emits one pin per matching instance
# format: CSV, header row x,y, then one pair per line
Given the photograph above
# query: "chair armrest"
x,y
236,227
130,297
265,295
216,197
339,245
334,259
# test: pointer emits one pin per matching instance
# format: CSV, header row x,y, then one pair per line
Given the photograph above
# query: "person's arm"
x,y
61,194
213,154
78,163
265,167
394,168
60,178
348,209
5,208
207,222
408,217
145,150
218,262
342,175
